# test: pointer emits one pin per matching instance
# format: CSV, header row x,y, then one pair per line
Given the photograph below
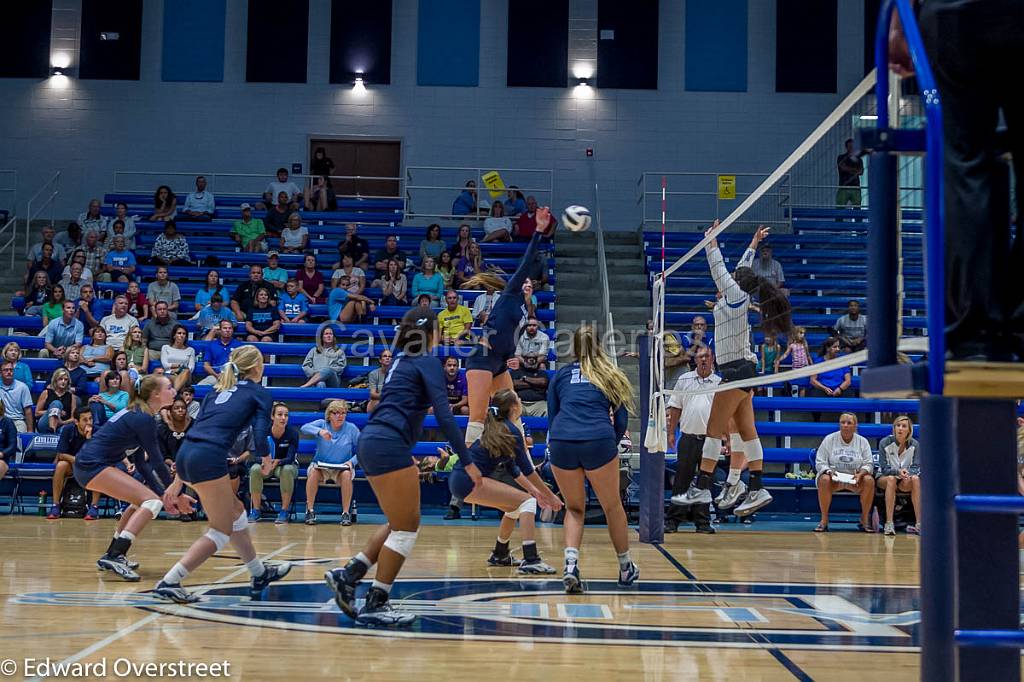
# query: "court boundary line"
x,y
139,624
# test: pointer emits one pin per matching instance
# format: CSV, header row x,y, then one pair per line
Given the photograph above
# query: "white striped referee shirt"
x,y
696,407
732,324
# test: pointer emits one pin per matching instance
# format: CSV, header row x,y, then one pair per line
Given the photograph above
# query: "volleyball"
x,y
576,218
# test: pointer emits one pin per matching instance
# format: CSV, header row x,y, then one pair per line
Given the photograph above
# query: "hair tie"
x,y
233,367
493,410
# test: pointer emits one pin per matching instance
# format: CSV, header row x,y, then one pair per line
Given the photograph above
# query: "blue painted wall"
x,y
193,46
448,43
716,45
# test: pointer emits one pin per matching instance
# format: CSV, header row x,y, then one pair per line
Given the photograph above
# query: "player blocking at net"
x,y
736,361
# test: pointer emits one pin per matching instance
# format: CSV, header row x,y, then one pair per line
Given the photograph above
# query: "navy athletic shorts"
x,y
737,370
379,456
199,464
482,357
588,454
86,471
459,482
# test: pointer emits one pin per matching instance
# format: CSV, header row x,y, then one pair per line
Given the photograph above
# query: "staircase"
x,y
10,278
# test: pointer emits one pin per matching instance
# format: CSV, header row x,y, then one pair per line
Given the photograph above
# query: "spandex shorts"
x,y
737,370
197,464
379,456
459,483
86,471
482,357
586,454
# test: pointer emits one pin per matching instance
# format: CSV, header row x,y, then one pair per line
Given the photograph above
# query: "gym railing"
x,y
430,191
692,199
43,199
250,183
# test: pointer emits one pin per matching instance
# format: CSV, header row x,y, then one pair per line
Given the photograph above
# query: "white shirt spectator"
x,y
484,303
290,188
200,202
66,275
538,344
117,328
186,357
292,239
696,407
497,223
836,455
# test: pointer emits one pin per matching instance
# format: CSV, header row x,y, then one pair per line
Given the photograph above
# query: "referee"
x,y
690,414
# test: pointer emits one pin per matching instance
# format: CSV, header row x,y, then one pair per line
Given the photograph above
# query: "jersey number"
x,y
225,396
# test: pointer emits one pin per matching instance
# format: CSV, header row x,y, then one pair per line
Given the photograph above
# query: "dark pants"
x,y
970,44
687,466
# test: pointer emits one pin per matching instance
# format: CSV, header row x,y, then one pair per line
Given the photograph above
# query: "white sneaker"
x,y
693,495
890,529
731,495
756,499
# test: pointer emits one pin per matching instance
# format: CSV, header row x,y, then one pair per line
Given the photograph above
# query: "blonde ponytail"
x,y
599,370
241,364
150,384
484,280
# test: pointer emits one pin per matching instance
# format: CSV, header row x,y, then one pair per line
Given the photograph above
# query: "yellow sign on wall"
x,y
726,186
492,180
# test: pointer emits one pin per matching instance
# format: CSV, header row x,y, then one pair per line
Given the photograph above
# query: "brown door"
x,y
366,158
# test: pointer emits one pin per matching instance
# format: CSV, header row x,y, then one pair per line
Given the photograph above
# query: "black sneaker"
x,y
378,611
453,513
502,559
119,565
174,593
344,589
310,518
707,530
572,580
272,573
671,528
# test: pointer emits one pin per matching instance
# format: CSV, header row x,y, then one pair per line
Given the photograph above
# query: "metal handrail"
x,y
11,224
212,178
53,184
452,190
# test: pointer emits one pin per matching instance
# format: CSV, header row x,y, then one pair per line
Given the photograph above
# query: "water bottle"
x,y
42,503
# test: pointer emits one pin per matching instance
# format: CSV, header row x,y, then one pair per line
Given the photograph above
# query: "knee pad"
x,y
529,506
473,432
401,541
153,507
736,443
219,540
712,448
241,523
753,450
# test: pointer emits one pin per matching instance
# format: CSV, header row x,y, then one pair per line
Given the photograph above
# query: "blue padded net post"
x,y
652,464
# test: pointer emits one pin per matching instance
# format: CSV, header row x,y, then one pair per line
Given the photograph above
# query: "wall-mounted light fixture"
x,y
359,86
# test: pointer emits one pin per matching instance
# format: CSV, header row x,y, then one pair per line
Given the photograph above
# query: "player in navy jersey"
x,y
414,383
501,444
99,467
584,441
237,402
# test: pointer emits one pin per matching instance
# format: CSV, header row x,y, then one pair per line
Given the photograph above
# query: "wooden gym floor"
x,y
745,604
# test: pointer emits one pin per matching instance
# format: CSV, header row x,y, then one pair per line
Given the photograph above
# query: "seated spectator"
x,y
90,310
73,365
355,246
211,287
432,245
533,342
127,226
249,233
138,304
356,276
311,282
57,404
319,195
178,359
73,437
246,293
62,332
424,301
48,236
97,356
170,248
119,263
210,317
72,282
852,328
77,256
53,267
273,273
375,379
389,252
531,384
455,383
833,383
515,202
698,337
54,306
281,464
16,398
110,400
158,330
537,271
277,215
218,352
899,470
128,376
325,362
321,163
497,227
526,223
293,305
70,238
767,267
465,203
845,454
282,184
13,354
446,268
38,294
8,443
335,459
428,281
393,286
261,323
188,394
345,307
165,204
483,305
93,220
163,290
455,321
461,246
469,266
199,205
137,354
294,235
172,425
118,322
95,253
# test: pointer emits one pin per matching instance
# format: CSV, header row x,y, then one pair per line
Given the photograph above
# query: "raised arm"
x,y
433,378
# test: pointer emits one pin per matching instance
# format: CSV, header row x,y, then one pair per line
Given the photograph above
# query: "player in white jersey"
x,y
736,361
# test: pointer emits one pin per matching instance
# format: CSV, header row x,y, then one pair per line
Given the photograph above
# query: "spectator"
x,y
319,195
211,287
455,321
209,318
246,293
127,227
432,246
93,220
389,252
70,239
38,294
199,205
119,263
97,356
293,306
16,398
158,330
446,268
423,301
428,281
850,167
188,394
800,352
697,338
73,438
345,307
899,470
311,282
282,184
531,384
325,362
497,227
77,256
273,273
95,253
295,235
484,304
170,248
218,352
54,306
165,204
171,429
22,372
57,404
277,216
529,301
321,163
137,354
354,246
852,328
526,223
281,464
835,382
46,263
249,233
178,358
118,322
73,365
335,459
843,462
375,379
461,245
770,349
90,310
770,269
469,266
163,290
62,333
138,304
533,342
47,235
110,400
8,442
261,322
465,203
393,286
128,376
455,383
515,202
356,276
72,282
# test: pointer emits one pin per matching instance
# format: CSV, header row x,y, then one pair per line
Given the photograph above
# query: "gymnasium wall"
x,y
94,127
